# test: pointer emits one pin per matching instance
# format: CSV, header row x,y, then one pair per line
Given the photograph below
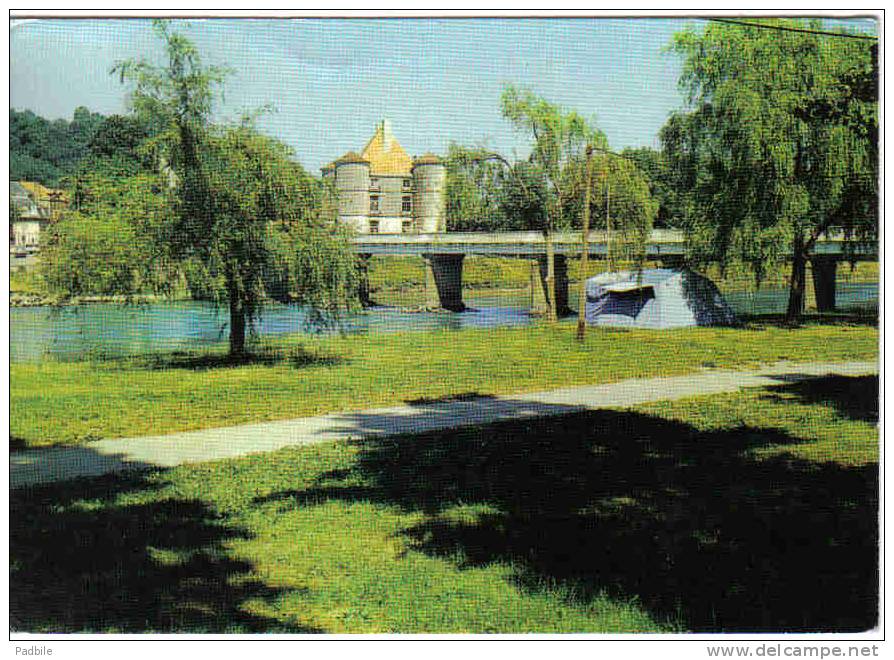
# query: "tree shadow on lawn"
x,y
691,524
854,317
296,357
82,559
848,395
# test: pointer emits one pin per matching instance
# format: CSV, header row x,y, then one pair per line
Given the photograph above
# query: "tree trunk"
x,y
237,327
798,280
551,312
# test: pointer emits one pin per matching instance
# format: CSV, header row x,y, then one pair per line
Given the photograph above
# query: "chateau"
x,y
382,190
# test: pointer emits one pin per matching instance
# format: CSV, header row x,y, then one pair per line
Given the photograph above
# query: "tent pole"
x,y
585,250
608,226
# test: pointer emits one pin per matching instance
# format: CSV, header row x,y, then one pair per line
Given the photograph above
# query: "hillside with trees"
x,y
46,150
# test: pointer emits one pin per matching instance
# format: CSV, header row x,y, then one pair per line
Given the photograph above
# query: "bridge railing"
x,y
662,242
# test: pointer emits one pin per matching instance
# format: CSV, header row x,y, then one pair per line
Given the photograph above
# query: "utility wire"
x,y
783,28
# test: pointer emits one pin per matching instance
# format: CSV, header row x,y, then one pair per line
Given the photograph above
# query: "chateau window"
x,y
374,184
406,204
407,226
408,183
373,203
373,226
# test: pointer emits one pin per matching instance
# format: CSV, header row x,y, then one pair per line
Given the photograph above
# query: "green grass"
x,y
26,281
57,402
748,512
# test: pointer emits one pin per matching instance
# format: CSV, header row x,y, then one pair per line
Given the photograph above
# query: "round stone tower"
x,y
430,206
352,186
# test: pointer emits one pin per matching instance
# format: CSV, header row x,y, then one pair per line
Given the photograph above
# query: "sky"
x,y
331,80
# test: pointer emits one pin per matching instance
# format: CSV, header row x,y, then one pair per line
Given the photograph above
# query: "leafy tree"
x,y
621,203
654,165
473,190
120,136
523,197
778,144
559,136
263,241
105,247
240,220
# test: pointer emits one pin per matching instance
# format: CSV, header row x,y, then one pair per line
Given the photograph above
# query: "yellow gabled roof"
x,y
385,155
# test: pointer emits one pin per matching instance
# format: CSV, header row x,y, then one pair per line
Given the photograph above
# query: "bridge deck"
x,y
661,243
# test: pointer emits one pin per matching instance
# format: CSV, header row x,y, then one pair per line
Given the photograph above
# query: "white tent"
x,y
655,298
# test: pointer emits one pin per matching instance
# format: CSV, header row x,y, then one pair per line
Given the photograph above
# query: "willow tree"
x,y
621,204
777,146
473,190
558,138
243,221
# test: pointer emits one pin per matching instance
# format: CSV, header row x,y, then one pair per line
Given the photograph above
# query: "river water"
x,y
115,329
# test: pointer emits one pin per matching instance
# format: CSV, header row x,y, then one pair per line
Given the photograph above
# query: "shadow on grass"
x,y
689,523
111,555
848,395
295,357
854,317
447,398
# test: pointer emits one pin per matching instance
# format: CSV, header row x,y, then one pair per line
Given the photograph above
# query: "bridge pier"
x,y
444,281
673,261
363,280
540,290
824,271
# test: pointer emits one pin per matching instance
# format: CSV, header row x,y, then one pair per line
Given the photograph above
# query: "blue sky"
x,y
331,80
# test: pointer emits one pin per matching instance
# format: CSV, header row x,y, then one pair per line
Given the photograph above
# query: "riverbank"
x,y
27,289
71,402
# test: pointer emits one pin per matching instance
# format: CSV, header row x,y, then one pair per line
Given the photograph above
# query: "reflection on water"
x,y
112,329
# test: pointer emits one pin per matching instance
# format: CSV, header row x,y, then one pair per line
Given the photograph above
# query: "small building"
x,y
33,207
383,190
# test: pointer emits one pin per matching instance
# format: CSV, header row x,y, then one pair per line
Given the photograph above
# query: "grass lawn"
x,y
750,512
57,402
28,281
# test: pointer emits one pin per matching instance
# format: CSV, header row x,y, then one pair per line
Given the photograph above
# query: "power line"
x,y
783,28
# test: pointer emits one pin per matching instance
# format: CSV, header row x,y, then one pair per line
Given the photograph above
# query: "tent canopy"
x,y
655,298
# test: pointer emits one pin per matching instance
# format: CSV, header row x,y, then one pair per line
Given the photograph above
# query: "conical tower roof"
x,y
351,157
384,153
428,159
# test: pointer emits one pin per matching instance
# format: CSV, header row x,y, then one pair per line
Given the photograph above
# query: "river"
x,y
115,329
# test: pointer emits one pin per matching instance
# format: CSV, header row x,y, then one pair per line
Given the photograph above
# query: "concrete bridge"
x,y
444,254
